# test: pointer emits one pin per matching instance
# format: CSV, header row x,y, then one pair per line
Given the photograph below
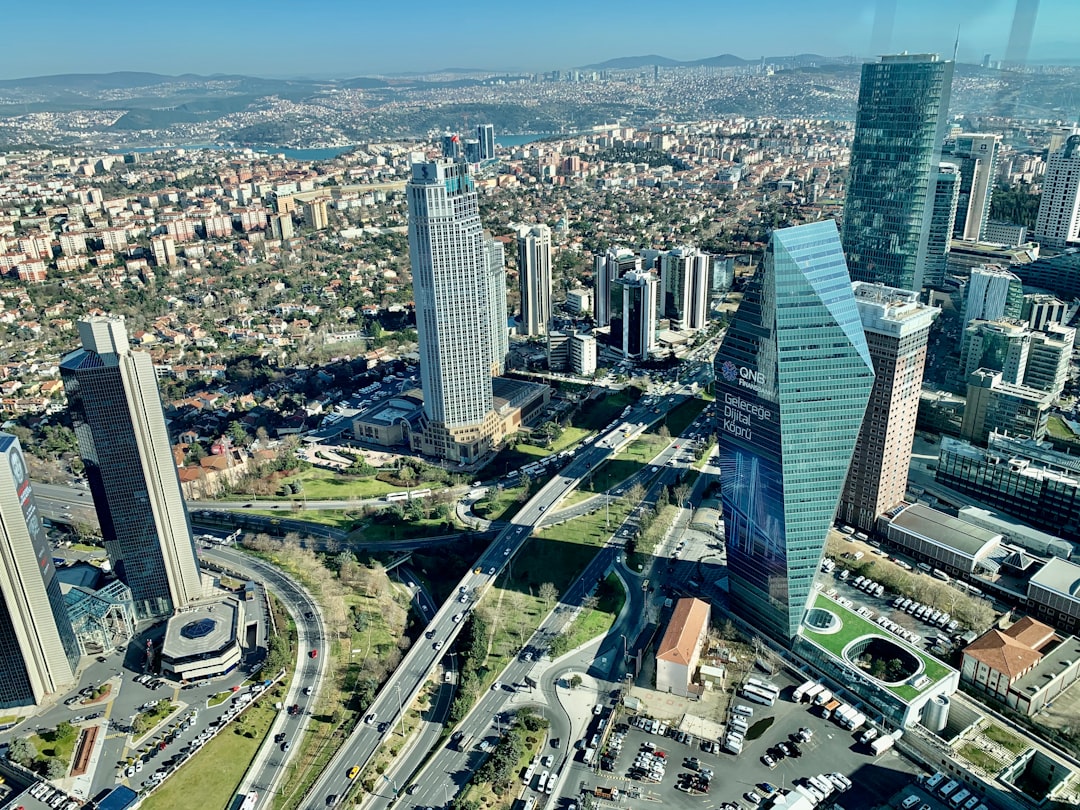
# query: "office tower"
x,y
583,355
1058,137
1001,346
558,350
1048,359
993,293
471,148
1005,233
124,445
1058,222
315,213
1040,311
942,215
793,378
457,276
977,157
633,314
451,147
685,287
485,133
994,405
37,645
606,268
534,272
897,327
899,126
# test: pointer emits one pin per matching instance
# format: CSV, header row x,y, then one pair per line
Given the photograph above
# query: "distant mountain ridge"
x,y
723,60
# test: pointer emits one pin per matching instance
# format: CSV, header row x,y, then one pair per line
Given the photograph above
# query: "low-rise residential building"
x,y
680,649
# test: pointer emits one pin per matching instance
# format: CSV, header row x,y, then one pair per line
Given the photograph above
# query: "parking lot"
x,y
830,749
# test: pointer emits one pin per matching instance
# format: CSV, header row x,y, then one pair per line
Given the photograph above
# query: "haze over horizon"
x,y
338,38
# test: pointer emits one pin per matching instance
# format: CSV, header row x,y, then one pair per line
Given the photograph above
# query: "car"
x,y
910,801
307,691
331,800
457,617
429,634
491,572
371,718
353,771
752,797
496,687
279,738
383,727
138,765
786,748
506,552
313,654
285,747
768,761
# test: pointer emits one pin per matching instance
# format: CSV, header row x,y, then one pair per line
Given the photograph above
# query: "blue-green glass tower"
x,y
793,377
899,128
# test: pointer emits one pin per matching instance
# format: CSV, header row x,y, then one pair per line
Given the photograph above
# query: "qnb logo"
x,y
729,371
751,376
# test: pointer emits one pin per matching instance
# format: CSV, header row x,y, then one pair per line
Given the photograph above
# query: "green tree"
x,y
22,751
238,433
55,768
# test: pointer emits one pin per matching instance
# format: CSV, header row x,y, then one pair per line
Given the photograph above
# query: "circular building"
x,y
203,642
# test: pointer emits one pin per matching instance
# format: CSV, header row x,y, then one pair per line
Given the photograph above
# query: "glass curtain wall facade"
x,y
899,127
793,378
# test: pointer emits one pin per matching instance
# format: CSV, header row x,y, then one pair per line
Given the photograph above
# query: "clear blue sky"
x,y
350,37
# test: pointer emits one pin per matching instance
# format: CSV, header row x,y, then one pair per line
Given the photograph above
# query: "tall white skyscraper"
x,y
607,267
976,155
37,646
684,287
459,286
534,269
1058,223
116,410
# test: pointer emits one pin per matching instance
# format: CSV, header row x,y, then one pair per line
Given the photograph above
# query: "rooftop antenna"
x,y
956,45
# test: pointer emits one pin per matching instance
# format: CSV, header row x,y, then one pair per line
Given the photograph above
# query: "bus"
x,y
764,686
419,493
757,695
396,496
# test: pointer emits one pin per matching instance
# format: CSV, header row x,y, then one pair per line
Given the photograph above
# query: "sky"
x,y
342,38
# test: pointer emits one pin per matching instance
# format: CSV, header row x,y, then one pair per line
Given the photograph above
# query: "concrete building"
x,y
485,134
1024,666
1005,233
1054,594
995,405
558,350
583,355
281,226
634,299
1040,311
900,124
534,273
579,301
607,267
992,294
976,156
37,645
946,184
1059,275
996,346
1058,222
116,410
793,378
679,651
1049,359
897,327
204,642
685,287
460,318
940,540
315,213
164,248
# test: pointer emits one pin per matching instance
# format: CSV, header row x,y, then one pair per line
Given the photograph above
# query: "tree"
x,y
589,603
238,433
664,433
548,594
575,681
22,751
682,493
55,768
406,475
635,494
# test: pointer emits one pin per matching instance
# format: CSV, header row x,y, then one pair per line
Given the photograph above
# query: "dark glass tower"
x,y
124,444
899,127
793,377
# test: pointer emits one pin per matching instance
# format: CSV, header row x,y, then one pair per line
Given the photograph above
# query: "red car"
x,y
313,654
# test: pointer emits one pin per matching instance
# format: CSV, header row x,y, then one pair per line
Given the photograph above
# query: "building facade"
x,y
460,317
976,156
607,267
534,273
679,651
583,355
37,645
116,409
793,378
634,299
897,327
685,287
995,405
1058,222
899,127
993,293
942,217
485,134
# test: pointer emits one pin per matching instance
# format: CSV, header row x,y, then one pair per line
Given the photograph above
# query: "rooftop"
x,y
1060,576
683,631
946,531
1012,651
204,630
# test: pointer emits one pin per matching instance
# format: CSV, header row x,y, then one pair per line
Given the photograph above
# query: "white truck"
x,y
812,692
822,697
884,742
842,715
857,722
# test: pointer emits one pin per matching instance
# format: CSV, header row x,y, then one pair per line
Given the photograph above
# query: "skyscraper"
x,y
793,377
942,217
534,271
976,155
37,645
993,293
116,410
1058,222
685,287
897,327
485,133
899,126
606,268
633,314
460,289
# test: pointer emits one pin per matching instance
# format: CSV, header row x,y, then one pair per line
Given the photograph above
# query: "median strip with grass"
x,y
593,621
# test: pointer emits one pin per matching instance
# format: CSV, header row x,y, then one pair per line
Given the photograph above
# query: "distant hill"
x,y
723,60
89,82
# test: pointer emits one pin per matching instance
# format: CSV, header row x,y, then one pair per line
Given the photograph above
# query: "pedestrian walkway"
x,y
79,786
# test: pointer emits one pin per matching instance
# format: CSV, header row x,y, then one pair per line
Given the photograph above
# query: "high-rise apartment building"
x,y
607,267
942,216
793,378
993,293
634,299
994,405
1001,346
583,355
897,327
315,213
164,248
458,278
1040,310
534,273
1058,222
976,155
485,133
37,645
1048,359
899,127
116,409
685,287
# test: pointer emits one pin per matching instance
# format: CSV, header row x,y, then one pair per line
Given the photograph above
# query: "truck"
x,y
797,695
806,794
829,708
609,793
822,697
841,714
587,757
812,692
733,743
884,743
858,721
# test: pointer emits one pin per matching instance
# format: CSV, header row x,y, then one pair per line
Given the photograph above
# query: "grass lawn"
x,y
51,745
219,766
144,721
678,419
338,518
642,449
588,625
376,531
1057,428
701,462
502,504
855,626
330,485
979,758
218,699
482,792
1005,739
599,413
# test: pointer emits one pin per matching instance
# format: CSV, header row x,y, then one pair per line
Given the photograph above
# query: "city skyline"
x,y
858,28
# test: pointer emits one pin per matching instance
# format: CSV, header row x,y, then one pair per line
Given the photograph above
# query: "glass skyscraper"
x,y
899,127
116,410
793,377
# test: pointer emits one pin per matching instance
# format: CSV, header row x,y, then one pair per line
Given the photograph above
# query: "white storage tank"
x,y
935,714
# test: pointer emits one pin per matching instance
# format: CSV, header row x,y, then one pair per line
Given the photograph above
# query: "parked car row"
x,y
927,614
54,798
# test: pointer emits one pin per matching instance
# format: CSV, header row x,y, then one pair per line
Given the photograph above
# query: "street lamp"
x,y
401,711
